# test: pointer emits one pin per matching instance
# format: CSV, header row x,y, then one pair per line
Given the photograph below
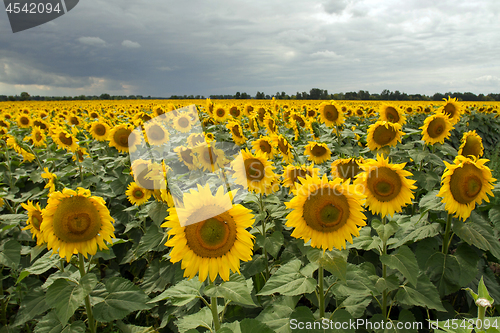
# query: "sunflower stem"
x,y
321,300
446,238
384,275
215,313
264,250
88,307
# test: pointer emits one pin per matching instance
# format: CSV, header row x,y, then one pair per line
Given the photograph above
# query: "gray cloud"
x,y
130,44
94,41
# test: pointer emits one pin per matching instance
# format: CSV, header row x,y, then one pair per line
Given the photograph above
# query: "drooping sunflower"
x,y
291,174
51,179
209,158
136,194
392,114
12,143
99,130
317,152
326,212
283,147
65,140
182,123
156,133
270,124
347,168
216,240
331,114
34,221
186,156
464,184
452,108
76,222
254,172
383,133
436,129
472,144
264,145
195,139
124,138
237,132
386,187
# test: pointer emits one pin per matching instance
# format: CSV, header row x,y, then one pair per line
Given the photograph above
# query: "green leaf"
x,y
334,261
235,290
302,320
426,231
289,281
341,316
49,324
425,295
444,271
385,231
158,212
431,201
123,297
160,273
494,215
10,253
151,239
468,260
181,294
277,315
356,304
390,283
32,305
249,325
404,261
479,233
43,264
482,291
202,318
75,327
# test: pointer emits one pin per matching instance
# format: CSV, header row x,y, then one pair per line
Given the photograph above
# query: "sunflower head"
x,y
156,133
292,174
347,168
317,152
331,114
182,123
265,146
283,147
383,133
436,128
391,114
253,171
124,138
237,132
452,108
136,194
34,220
472,144
99,130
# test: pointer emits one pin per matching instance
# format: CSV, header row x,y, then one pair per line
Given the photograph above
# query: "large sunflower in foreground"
x,y
34,221
391,114
472,144
464,184
331,114
76,222
383,133
317,152
347,168
215,245
436,129
326,212
254,172
386,187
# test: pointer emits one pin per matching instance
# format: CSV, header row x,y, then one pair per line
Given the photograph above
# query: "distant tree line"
x,y
314,93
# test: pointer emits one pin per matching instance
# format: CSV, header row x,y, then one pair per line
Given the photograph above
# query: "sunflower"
x,y
182,123
140,170
452,109
51,179
24,121
291,174
436,129
270,124
158,110
80,154
472,144
37,137
391,114
236,132
326,212
383,133
195,139
136,194
234,111
216,240
34,221
124,138
209,158
76,222
220,114
284,148
12,143
2,202
254,172
186,156
156,133
99,130
317,152
464,184
265,146
65,140
386,187
347,168
331,114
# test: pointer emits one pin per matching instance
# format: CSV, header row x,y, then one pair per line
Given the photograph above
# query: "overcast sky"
x,y
161,48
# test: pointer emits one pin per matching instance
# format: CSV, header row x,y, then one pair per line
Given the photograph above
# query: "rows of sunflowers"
x,y
242,215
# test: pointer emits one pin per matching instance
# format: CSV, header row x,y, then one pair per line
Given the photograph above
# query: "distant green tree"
x,y
25,96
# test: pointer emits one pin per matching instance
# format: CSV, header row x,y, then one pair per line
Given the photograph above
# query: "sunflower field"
x,y
244,215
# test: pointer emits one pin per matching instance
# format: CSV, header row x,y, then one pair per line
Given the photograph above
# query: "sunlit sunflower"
x,y
2,202
383,133
220,114
436,129
265,145
24,121
80,154
34,221
452,108
38,137
254,172
385,185
12,143
291,174
209,158
182,123
270,124
326,212
136,194
186,156
99,130
65,140
215,245
195,139
140,170
283,147
331,114
347,168
209,137
76,222
464,184
391,114
158,110
235,112
317,152
42,124
156,133
237,132
124,138
472,144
